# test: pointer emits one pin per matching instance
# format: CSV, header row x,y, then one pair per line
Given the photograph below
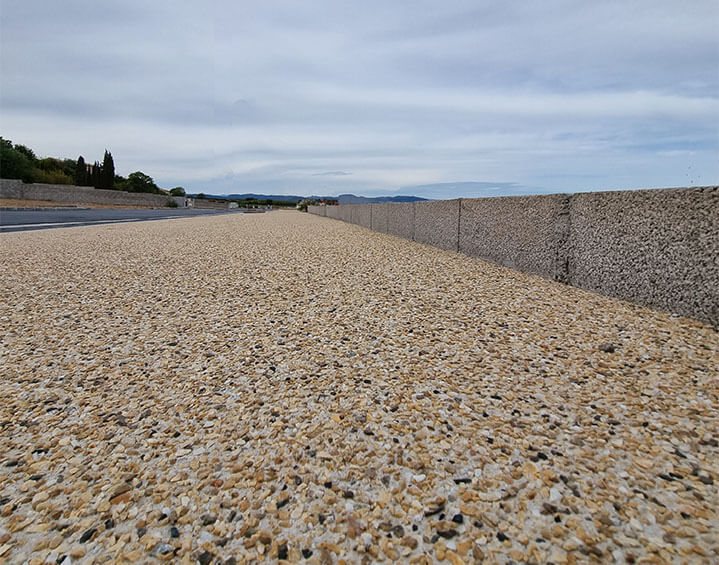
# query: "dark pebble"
x,y
328,484
232,515
706,479
306,553
447,534
433,511
541,456
458,519
322,518
141,532
109,524
282,551
298,480
174,532
398,531
666,477
415,527
348,494
87,535
607,347
208,519
548,508
501,536
36,477
282,503
205,558
462,480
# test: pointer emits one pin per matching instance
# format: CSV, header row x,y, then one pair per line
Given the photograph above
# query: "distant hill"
x,y
352,199
342,198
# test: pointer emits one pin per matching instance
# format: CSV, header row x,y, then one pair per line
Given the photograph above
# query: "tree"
x,y
27,152
15,162
177,191
140,182
81,172
95,174
107,172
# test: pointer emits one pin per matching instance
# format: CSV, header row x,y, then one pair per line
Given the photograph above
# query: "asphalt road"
x,y
34,219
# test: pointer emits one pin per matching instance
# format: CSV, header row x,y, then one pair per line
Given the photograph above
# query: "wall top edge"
x,y
707,188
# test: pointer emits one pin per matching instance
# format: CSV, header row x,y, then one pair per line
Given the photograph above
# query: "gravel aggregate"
x,y
260,388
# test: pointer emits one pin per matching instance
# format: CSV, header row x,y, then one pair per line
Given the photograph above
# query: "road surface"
x,y
34,219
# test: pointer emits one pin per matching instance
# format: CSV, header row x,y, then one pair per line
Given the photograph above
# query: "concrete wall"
x,y
380,215
317,210
70,194
400,219
658,248
437,223
525,233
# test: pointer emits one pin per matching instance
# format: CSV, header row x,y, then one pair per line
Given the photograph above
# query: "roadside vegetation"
x,y
20,162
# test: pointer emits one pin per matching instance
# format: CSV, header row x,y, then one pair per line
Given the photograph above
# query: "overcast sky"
x,y
370,97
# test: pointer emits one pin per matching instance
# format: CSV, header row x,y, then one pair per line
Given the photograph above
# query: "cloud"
x,y
233,96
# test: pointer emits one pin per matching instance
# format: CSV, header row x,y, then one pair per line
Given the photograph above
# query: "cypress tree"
x,y
80,172
96,175
107,173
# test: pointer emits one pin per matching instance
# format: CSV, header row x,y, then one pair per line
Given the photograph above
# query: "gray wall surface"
x,y
317,210
380,214
437,223
400,219
16,189
523,233
658,248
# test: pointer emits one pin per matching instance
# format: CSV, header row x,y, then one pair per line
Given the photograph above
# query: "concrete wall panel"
x,y
659,248
437,223
317,210
345,213
363,215
379,217
527,233
400,219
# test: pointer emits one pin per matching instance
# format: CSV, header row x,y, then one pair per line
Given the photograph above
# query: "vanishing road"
x,y
37,219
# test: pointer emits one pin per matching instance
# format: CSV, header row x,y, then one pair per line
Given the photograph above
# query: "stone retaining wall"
x,y
70,194
658,248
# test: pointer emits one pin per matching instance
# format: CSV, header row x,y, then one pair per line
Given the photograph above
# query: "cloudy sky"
x,y
435,98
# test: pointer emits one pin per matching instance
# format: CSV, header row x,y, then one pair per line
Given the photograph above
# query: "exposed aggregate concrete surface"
x,y
283,386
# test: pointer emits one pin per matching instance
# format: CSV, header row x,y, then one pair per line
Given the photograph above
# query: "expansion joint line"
x,y
459,220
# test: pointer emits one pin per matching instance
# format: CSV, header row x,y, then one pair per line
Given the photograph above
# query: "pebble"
x,y
339,395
